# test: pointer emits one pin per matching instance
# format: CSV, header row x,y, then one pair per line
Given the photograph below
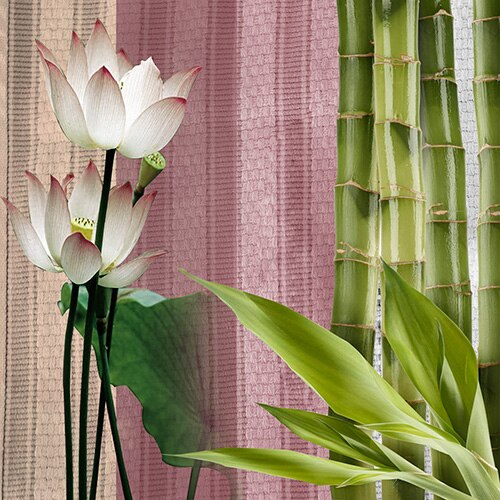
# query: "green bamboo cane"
x,y
356,196
486,32
396,72
446,268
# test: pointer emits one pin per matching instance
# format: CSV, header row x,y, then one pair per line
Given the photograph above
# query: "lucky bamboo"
x,y
446,273
396,72
356,195
486,33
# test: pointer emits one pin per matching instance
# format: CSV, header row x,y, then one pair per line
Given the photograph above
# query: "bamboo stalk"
x,y
356,196
396,72
446,271
486,32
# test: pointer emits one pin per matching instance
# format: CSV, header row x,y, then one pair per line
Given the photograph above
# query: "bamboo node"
x,y
398,122
489,365
353,183
485,19
436,77
449,285
352,325
347,116
359,261
406,262
486,78
356,250
488,287
347,56
402,59
447,221
451,146
487,146
439,13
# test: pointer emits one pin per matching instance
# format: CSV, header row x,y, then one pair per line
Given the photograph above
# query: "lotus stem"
x,y
193,480
396,73
68,430
486,33
89,327
356,197
102,398
106,383
446,269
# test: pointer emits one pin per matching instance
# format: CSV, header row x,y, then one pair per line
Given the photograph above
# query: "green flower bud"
x,y
151,166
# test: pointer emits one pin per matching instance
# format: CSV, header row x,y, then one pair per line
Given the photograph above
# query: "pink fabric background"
x,y
247,200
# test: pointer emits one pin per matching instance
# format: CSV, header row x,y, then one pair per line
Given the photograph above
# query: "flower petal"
x,y
57,219
124,63
66,182
28,239
127,273
179,85
100,51
140,87
104,110
154,128
80,258
37,201
78,72
140,213
67,108
46,53
117,221
86,196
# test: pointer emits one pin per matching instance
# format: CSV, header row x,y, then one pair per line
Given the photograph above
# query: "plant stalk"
x,y
193,480
106,383
102,398
486,33
396,73
446,271
356,198
89,328
68,430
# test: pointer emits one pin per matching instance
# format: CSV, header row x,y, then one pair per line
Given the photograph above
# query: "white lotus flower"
x,y
59,237
104,102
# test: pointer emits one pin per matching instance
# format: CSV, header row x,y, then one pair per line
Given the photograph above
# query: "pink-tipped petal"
x,y
46,77
179,85
57,219
37,201
28,239
67,108
124,63
66,182
139,215
127,273
46,53
80,258
140,88
86,196
117,221
104,110
100,51
154,128
78,72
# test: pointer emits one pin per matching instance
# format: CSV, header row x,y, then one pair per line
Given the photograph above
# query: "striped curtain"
x,y
247,200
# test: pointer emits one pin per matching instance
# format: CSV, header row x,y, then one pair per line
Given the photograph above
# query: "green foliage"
x,y
158,353
437,358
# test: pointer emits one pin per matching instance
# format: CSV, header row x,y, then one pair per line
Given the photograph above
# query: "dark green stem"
x,y
68,434
193,480
102,398
101,331
89,327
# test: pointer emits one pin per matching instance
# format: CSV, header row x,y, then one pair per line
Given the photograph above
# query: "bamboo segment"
x,y
446,268
486,32
356,197
402,202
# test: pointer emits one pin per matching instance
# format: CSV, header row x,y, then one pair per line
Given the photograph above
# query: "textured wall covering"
x,y
31,330
247,201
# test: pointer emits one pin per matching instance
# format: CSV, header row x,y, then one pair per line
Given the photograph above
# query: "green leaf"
x,y
158,352
438,358
333,433
316,470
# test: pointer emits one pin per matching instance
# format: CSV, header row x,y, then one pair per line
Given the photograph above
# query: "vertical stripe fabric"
x,y
247,200
31,328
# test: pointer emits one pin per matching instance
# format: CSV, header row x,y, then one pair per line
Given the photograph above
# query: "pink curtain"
x,y
247,200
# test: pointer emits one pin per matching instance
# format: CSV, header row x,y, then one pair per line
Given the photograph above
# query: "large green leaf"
x,y
439,359
320,471
158,352
348,383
